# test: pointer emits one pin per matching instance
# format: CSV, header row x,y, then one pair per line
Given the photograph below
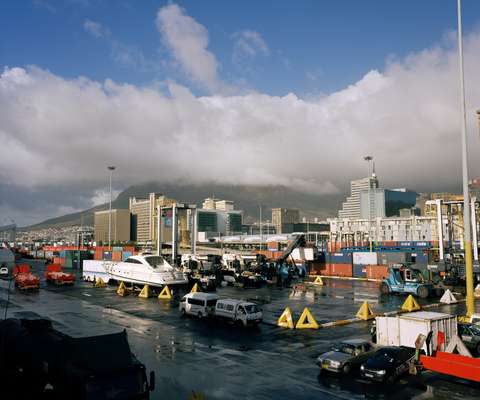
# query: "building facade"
x,y
284,216
219,221
120,226
385,202
351,208
144,217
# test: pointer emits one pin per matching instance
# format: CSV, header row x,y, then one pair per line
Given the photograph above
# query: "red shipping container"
x,y
377,271
316,268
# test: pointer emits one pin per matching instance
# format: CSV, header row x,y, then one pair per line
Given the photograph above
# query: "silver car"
x,y
345,355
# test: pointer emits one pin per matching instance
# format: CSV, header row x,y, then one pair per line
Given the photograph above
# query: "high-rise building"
x,y
219,221
351,208
211,203
144,221
385,203
284,216
120,226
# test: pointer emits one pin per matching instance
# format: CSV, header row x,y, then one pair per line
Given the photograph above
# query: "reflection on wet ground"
x,y
224,362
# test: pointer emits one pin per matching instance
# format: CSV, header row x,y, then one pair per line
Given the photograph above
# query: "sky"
x,y
291,93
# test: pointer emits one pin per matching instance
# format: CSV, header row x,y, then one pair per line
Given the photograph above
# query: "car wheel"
x,y
422,292
346,369
384,288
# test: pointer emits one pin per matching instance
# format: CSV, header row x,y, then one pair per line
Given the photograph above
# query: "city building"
x,y
219,222
281,217
385,202
351,208
211,203
144,217
356,231
120,226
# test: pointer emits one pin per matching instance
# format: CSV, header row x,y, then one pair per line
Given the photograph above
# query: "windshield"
x,y
475,329
344,348
251,308
155,261
384,356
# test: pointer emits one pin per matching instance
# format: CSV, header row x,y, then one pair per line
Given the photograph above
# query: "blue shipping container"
x,y
126,254
62,254
359,271
107,255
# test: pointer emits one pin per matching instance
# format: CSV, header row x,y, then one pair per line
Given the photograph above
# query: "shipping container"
x,y
338,270
393,257
376,271
125,255
339,258
107,255
273,246
364,258
116,256
59,260
359,271
117,248
316,268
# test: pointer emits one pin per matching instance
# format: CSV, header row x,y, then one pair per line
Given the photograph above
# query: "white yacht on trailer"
x,y
142,270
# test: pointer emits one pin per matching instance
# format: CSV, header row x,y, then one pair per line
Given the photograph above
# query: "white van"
x,y
199,304
238,311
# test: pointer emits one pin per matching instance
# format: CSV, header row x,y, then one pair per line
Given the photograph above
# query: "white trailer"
x,y
403,330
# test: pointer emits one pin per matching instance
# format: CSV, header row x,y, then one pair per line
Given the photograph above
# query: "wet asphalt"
x,y
221,361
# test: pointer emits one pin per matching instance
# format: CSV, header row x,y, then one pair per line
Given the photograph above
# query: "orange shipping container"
x,y
316,268
116,256
377,271
339,270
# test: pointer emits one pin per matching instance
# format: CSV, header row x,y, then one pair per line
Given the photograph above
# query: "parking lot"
x,y
222,361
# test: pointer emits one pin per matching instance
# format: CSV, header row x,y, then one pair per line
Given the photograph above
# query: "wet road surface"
x,y
222,361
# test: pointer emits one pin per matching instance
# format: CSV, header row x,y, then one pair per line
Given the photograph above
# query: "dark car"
x,y
387,364
345,355
470,335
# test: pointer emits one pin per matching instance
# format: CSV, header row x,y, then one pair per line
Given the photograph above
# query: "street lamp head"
x,y
368,158
111,167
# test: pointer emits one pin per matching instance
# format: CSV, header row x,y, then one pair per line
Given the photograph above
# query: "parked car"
x,y
199,304
345,355
470,335
238,311
387,364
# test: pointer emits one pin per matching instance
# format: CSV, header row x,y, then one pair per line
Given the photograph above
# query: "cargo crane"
x,y
283,269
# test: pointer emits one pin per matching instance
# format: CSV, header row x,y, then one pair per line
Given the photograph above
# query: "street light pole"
x,y
111,168
466,198
368,159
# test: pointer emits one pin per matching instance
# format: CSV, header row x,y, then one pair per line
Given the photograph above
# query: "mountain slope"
x,y
246,198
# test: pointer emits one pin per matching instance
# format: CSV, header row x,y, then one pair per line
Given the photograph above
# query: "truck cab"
x,y
238,311
403,279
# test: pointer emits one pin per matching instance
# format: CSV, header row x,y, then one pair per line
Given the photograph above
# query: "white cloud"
x,y
64,132
96,29
248,44
188,42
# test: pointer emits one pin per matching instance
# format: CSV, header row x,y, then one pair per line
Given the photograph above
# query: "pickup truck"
x,y
240,312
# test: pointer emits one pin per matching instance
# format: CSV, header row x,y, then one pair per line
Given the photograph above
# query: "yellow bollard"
x,y
100,283
145,293
365,312
411,304
195,288
286,319
122,290
165,294
318,281
306,320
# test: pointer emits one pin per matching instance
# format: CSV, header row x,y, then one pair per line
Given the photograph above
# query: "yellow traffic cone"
x,y
286,319
306,320
410,304
195,288
146,292
100,283
165,294
365,312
